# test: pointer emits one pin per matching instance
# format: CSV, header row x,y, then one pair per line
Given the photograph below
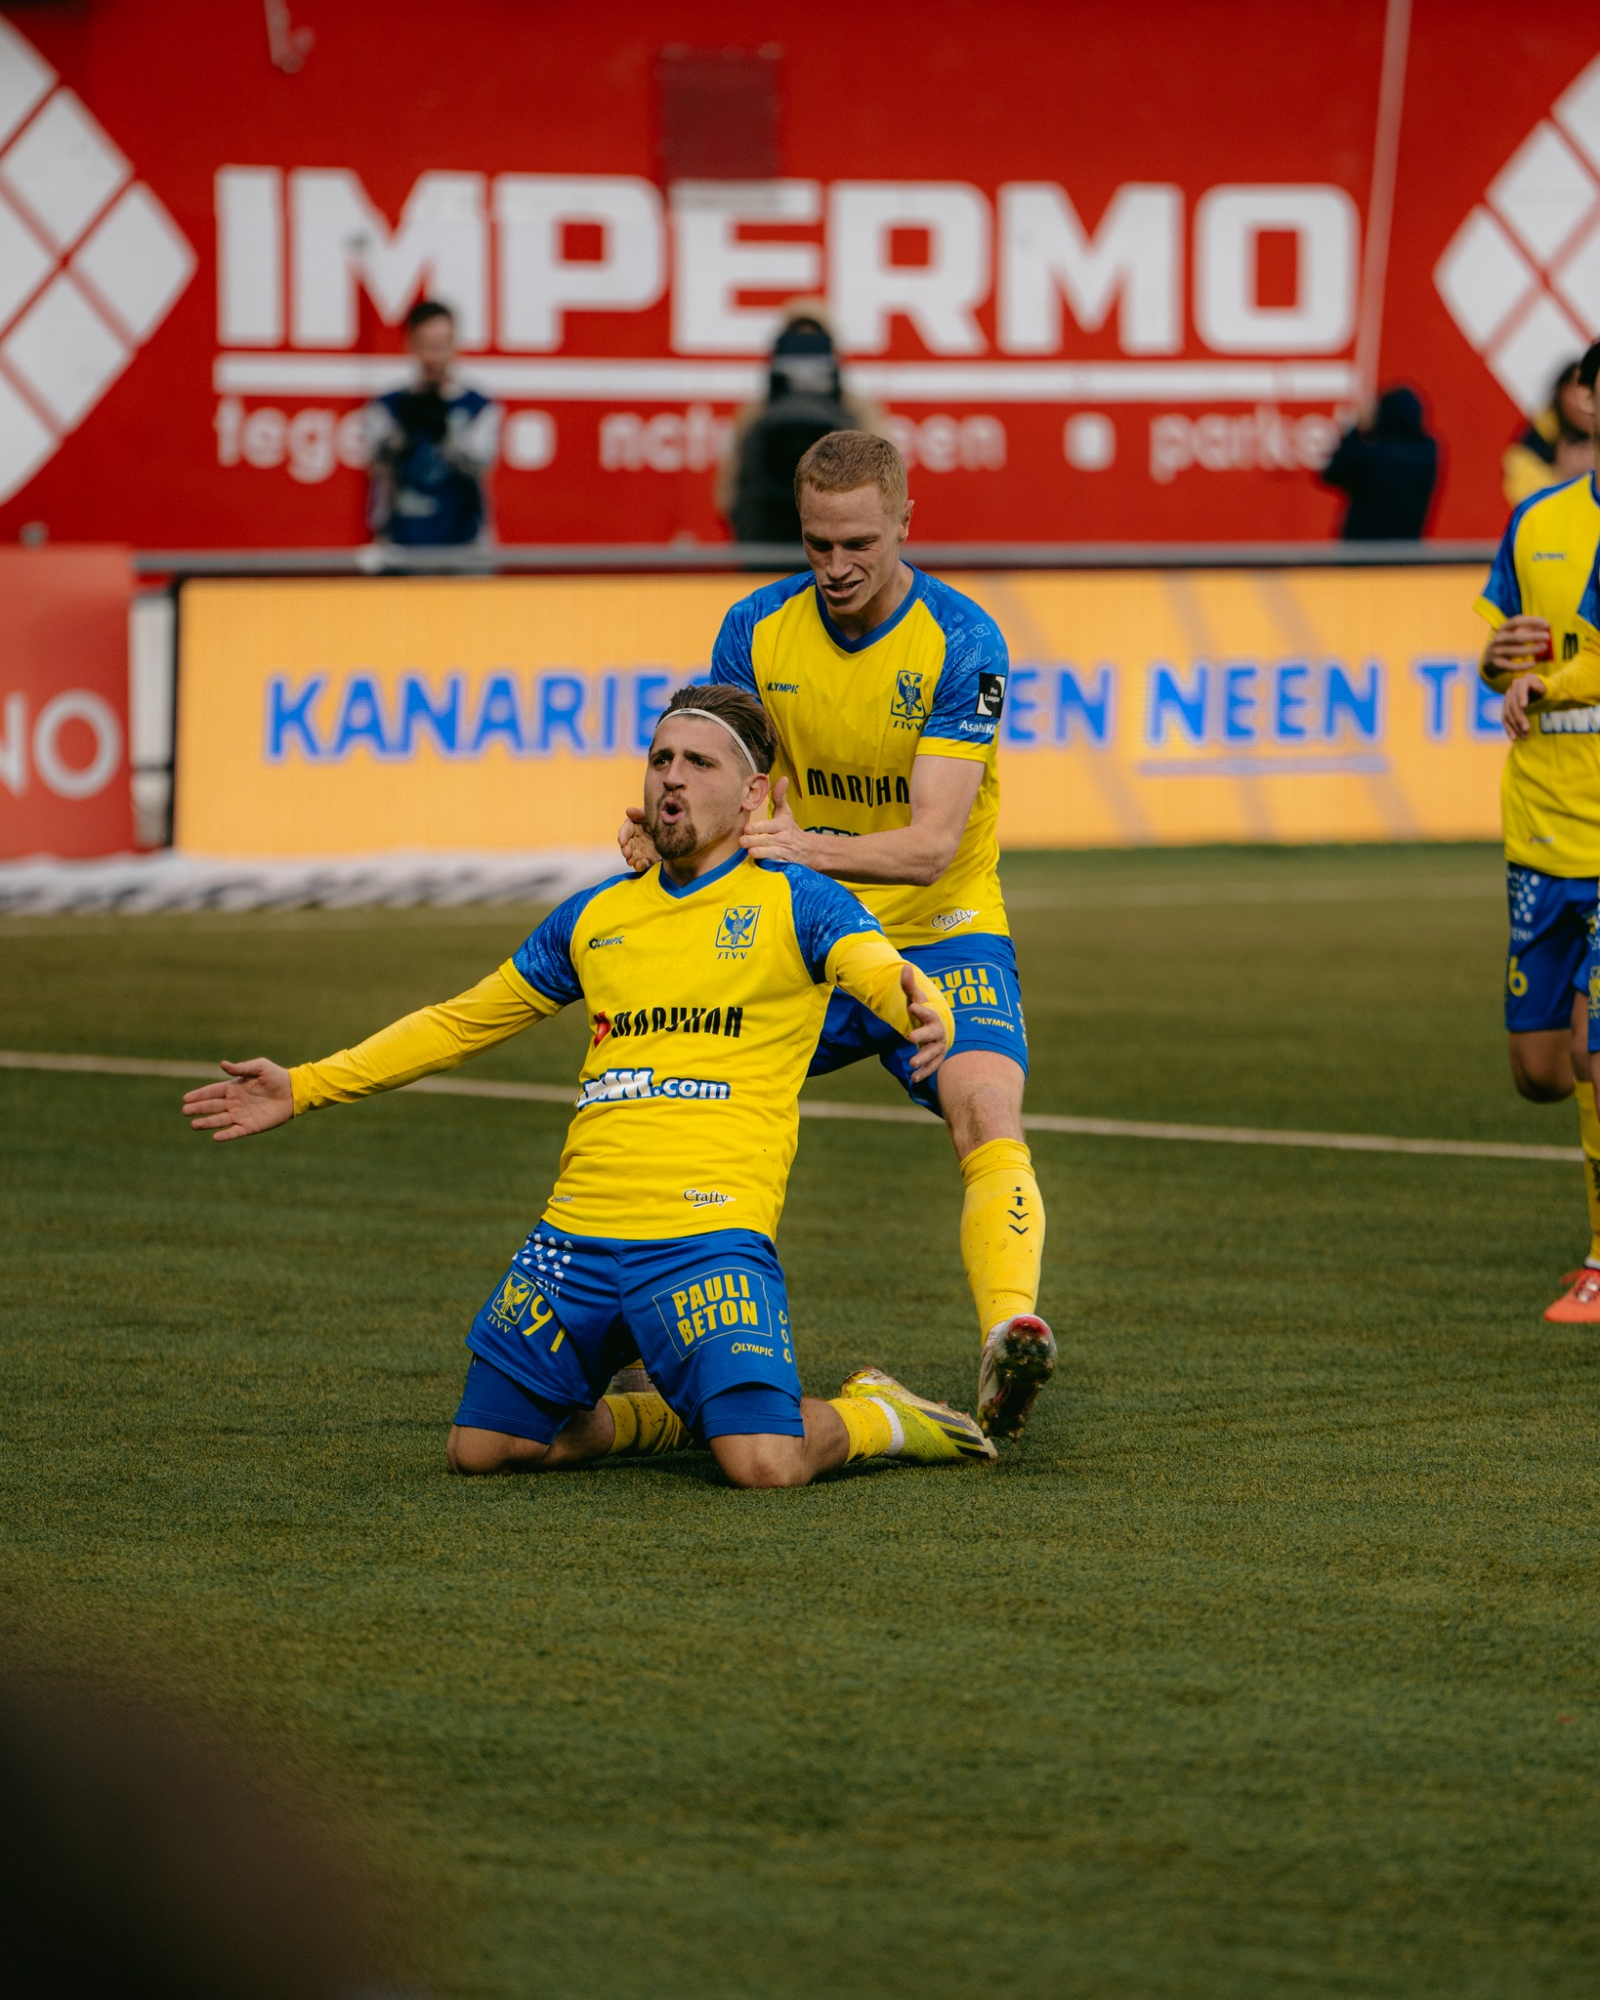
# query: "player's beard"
x,y
673,839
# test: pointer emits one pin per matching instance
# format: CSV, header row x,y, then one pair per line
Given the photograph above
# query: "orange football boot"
x,y
1579,1306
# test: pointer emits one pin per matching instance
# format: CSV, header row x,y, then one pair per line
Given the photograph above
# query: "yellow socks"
x,y
1002,1230
644,1426
1589,1126
867,1424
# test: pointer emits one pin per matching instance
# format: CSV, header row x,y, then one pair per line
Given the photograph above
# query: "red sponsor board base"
x,y
64,702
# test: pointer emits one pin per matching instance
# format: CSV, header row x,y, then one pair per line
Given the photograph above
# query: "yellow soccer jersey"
x,y
1550,791
704,1007
852,717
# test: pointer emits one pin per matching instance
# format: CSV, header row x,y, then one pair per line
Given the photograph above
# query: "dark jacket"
x,y
431,453
1389,473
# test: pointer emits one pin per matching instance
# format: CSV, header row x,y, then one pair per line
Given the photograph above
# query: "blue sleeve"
x,y
1503,590
733,661
971,694
824,912
545,958
1589,603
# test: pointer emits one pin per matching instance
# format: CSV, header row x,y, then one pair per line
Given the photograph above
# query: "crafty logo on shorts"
x,y
991,696
736,933
907,704
717,1306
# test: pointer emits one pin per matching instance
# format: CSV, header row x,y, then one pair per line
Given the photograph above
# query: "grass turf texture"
x,y
1264,1665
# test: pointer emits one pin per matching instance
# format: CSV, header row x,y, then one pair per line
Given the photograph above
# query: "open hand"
x,y
927,1030
1524,689
638,849
257,1096
781,838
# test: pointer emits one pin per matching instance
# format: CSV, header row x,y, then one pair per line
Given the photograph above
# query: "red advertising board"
x,y
64,702
1115,272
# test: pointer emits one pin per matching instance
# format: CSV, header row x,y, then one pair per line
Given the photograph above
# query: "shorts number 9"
x,y
1516,979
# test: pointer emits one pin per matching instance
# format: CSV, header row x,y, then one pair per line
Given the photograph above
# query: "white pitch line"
x,y
882,1114
1338,889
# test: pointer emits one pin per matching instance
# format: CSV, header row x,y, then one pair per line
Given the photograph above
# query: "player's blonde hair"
x,y
737,711
845,460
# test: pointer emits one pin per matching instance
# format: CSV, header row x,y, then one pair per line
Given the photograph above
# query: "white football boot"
x,y
1019,1357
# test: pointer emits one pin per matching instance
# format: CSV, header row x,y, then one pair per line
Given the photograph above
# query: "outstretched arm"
x,y
260,1094
870,970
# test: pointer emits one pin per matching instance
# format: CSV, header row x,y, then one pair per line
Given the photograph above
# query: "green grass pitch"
x,y
1265,1665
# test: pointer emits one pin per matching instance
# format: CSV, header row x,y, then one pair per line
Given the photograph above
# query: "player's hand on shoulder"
x,y
638,849
782,837
927,1030
1525,689
256,1096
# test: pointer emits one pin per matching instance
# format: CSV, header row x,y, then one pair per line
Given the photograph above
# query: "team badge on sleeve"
x,y
991,696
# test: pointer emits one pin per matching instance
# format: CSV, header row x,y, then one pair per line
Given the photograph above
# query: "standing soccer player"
x,y
1550,804
704,980
885,688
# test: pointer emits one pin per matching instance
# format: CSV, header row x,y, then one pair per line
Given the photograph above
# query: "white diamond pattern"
x,y
1528,318
1578,279
137,262
26,440
25,79
1525,362
62,175
1544,192
1483,277
24,263
64,168
65,353
1577,112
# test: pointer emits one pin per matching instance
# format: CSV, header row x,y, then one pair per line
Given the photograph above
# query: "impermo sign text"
x,y
517,253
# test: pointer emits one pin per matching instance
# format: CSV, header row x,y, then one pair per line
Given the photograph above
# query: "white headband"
x,y
706,714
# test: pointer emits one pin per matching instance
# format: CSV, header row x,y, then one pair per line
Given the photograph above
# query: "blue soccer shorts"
x,y
978,976
708,1315
1552,937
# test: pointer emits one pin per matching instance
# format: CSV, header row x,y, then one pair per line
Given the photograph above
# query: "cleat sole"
x,y
1014,1370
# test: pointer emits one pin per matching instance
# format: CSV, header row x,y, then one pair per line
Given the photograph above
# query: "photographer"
x,y
433,445
805,401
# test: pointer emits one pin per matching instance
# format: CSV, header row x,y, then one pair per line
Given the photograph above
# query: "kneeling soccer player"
x,y
705,979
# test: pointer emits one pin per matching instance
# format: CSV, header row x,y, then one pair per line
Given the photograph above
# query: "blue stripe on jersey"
x,y
1504,588
964,707
545,958
1589,603
702,881
732,657
824,912
914,595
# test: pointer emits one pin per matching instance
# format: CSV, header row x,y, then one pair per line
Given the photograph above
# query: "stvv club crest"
x,y
907,703
737,930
